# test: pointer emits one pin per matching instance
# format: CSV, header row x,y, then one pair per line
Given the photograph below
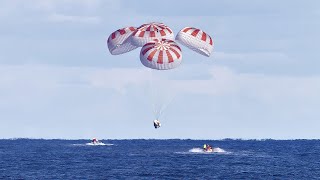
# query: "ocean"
x,y
159,159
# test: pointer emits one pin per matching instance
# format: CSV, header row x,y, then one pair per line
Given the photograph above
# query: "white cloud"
x,y
222,81
49,5
80,11
254,58
265,88
118,78
74,19
76,94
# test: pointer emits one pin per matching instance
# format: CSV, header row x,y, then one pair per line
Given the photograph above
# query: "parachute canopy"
x,y
119,42
148,32
161,54
195,39
159,51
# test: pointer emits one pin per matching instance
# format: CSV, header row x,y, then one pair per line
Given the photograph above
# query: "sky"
x,y
58,79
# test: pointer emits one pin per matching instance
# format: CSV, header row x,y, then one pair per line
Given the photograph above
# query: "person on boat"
x,y
94,140
205,147
156,124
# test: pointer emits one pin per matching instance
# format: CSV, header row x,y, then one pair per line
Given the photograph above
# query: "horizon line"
x,y
161,139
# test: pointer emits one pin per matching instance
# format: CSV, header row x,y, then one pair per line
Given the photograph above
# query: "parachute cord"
x,y
166,105
152,94
159,104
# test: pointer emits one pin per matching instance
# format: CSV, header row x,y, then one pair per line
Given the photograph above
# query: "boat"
x,y
95,142
208,150
214,150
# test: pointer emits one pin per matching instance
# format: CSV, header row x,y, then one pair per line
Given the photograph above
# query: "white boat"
x,y
96,144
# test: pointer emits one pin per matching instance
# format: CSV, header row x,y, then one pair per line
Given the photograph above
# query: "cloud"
x,y
73,95
118,78
82,11
254,57
74,19
264,88
221,80
14,6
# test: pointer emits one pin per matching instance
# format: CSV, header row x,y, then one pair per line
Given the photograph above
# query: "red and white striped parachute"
x,y
196,39
161,54
119,41
148,32
159,51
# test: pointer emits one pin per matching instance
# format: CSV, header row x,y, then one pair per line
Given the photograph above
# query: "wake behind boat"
x,y
213,150
96,144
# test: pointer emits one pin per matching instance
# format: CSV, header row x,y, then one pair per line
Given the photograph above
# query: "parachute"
x,y
195,39
161,54
118,42
129,38
149,32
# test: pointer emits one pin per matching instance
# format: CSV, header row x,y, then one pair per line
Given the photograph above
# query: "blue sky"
x,y
58,80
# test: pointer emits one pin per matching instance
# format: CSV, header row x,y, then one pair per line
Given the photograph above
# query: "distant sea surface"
x,y
159,159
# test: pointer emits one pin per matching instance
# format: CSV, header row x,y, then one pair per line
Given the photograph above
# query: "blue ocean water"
x,y
159,159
